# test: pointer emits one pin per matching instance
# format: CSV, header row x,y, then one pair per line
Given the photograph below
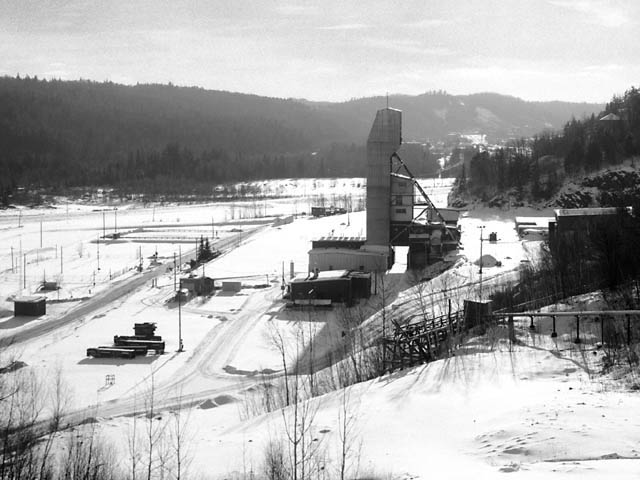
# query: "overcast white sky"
x,y
579,50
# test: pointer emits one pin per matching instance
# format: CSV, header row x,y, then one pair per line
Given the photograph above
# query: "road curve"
x,y
112,293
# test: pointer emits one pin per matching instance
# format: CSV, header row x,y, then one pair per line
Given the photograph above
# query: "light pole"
x,y
481,227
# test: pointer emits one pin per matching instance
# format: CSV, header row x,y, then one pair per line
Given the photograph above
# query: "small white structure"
x,y
367,259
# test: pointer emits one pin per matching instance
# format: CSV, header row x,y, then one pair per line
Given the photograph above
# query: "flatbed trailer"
x,y
127,341
110,352
137,349
141,337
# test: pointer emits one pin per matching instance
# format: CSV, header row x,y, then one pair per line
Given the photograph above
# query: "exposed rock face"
x,y
615,187
574,199
610,188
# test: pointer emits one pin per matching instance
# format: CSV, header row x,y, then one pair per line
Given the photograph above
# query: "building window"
x,y
401,210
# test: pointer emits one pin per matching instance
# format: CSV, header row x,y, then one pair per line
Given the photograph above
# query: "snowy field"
x,y
534,411
531,411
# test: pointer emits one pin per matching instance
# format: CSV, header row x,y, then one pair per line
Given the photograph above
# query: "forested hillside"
x,y
535,169
159,138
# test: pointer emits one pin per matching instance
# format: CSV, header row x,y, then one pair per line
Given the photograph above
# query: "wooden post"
x,y
512,330
577,339
554,333
628,329
532,327
180,347
601,329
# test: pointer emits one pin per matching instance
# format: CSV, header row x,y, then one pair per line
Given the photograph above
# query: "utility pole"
x,y
115,220
104,233
180,346
213,232
481,227
40,232
24,271
12,269
98,254
61,264
174,271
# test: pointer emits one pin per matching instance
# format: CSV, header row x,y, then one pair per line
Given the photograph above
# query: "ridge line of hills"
x,y
84,132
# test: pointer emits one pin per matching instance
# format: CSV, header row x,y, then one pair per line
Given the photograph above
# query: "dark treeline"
x,y
177,169
56,134
60,134
541,163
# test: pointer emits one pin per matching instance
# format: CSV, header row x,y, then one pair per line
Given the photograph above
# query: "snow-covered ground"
x,y
536,410
531,410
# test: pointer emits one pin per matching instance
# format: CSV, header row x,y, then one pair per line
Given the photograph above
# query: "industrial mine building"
x,y
399,212
325,288
570,223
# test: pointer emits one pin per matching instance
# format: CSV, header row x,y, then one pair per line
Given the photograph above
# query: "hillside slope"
x,y
125,117
88,133
434,115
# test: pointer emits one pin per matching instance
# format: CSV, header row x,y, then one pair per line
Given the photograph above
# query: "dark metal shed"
x,y
32,306
197,285
334,286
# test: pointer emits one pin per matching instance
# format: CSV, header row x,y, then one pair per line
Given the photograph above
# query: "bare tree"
x,y
132,443
275,465
279,343
88,457
21,410
298,421
153,435
349,446
180,438
58,401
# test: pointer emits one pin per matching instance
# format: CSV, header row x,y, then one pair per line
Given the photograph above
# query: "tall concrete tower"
x,y
384,140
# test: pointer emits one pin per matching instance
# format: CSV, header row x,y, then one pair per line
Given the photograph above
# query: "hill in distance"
x,y
150,116
79,133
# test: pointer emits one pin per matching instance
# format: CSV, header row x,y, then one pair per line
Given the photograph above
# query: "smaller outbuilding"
x,y
336,286
231,287
30,306
197,286
476,312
